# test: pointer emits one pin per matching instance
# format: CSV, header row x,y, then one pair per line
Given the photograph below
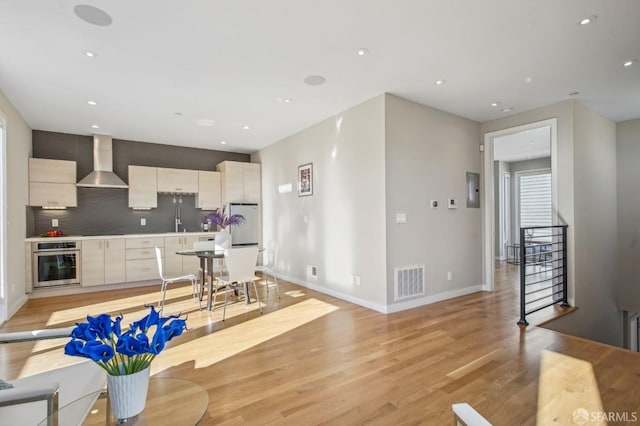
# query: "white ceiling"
x,y
230,60
526,145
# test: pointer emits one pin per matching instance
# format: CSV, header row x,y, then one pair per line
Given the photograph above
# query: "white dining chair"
x,y
241,266
270,265
166,281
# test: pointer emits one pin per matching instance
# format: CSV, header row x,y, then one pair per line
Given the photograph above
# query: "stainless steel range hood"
x,y
102,175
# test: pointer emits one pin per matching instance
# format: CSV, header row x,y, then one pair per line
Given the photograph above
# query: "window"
x,y
535,199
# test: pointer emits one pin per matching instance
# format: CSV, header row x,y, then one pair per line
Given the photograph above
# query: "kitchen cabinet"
x,y
143,187
103,262
175,264
177,181
208,196
141,263
52,183
240,182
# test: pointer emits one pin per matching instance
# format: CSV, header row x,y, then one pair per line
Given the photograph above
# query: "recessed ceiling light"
x,y
95,126
285,100
207,122
588,20
177,114
508,109
89,53
246,128
363,51
574,93
495,104
440,82
92,15
92,103
315,80
531,142
223,142
629,63
528,80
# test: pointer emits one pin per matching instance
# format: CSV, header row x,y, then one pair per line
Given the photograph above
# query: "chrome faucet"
x,y
178,220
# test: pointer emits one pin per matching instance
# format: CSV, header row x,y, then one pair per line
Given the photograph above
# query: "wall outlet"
x,y
358,280
401,218
312,271
452,203
449,276
434,204
352,279
143,221
54,223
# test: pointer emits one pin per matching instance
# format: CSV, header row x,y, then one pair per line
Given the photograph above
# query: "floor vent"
x,y
409,282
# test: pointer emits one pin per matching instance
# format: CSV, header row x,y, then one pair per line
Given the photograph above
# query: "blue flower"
x,y
129,346
101,337
98,351
174,328
101,325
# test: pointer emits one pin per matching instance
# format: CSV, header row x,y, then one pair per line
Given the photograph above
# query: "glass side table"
x,y
170,401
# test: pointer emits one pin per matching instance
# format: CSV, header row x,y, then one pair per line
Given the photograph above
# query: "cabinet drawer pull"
x,y
178,189
52,203
146,252
146,269
145,242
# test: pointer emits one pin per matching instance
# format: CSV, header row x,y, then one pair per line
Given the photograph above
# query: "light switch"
x,y
143,221
54,223
401,218
452,203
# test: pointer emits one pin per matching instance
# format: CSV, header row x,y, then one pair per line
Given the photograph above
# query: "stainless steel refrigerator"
x,y
248,233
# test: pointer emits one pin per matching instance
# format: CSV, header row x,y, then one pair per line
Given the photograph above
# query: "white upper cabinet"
x,y
143,187
240,182
177,181
52,183
208,196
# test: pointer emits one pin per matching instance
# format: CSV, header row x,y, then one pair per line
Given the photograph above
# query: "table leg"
x,y
203,278
210,278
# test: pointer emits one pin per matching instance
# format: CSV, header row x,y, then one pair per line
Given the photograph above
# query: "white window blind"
x,y
535,199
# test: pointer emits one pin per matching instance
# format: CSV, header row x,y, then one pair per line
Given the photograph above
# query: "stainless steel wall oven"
x,y
55,263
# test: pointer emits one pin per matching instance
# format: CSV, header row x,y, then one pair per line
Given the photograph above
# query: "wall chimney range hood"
x,y
102,175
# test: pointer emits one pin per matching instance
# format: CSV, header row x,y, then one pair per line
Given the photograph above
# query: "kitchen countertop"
x,y
109,237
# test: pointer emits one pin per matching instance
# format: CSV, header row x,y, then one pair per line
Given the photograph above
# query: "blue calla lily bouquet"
x,y
102,340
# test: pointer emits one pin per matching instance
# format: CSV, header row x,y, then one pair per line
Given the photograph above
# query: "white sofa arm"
x,y
27,393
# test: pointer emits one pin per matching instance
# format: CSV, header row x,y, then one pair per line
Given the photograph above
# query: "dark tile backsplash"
x,y
105,211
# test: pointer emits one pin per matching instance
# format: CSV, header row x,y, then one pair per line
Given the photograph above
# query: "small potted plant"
x,y
223,220
125,356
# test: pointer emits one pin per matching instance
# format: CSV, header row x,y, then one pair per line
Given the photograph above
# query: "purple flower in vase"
x,y
222,219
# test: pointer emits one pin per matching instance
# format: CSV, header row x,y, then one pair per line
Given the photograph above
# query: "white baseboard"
x,y
343,296
61,291
427,300
11,310
397,307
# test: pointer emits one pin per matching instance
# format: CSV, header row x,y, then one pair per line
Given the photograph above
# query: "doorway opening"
x,y
3,218
520,189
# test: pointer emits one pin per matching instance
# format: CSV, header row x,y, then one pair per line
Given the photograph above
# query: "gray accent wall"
x,y
628,182
427,155
103,211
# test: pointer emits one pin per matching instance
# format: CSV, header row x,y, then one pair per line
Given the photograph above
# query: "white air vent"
x,y
409,281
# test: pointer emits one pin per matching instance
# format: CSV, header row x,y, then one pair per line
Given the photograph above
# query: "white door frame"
x,y
488,231
505,213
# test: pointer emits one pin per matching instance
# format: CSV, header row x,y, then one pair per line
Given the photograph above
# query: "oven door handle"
x,y
56,252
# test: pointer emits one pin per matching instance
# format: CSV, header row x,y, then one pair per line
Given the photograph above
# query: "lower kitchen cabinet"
x,y
175,264
103,262
141,263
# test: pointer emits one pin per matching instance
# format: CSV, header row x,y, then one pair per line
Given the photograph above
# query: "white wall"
x,y
18,152
628,162
344,231
428,153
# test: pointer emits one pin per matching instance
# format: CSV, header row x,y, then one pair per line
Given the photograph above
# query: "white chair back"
x,y
204,245
241,263
159,260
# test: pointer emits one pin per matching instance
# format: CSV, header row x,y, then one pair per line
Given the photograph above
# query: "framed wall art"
x,y
305,180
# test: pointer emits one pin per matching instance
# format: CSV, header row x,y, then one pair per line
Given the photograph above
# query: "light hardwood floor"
x,y
313,359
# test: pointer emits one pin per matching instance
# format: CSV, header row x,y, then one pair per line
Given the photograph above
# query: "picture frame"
x,y
305,180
